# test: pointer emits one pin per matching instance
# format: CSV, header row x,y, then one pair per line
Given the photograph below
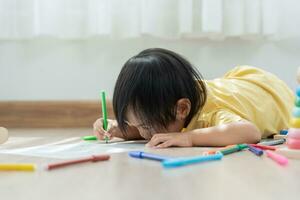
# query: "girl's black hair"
x,y
151,83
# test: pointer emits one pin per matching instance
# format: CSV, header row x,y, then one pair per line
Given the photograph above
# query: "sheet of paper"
x,y
75,147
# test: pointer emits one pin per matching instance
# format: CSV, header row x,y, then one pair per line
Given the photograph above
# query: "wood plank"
x,y
51,114
237,176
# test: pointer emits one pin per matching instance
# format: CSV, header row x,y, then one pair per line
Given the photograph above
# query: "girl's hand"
x,y
112,128
170,139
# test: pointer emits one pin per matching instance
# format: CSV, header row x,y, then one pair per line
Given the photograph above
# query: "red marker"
x,y
264,147
93,158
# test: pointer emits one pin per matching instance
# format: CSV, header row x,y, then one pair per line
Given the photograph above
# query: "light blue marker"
x,y
296,112
178,162
298,91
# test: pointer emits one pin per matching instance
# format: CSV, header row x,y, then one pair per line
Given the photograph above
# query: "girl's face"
x,y
148,131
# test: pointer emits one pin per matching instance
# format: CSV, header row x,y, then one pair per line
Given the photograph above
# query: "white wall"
x,y
59,69
65,70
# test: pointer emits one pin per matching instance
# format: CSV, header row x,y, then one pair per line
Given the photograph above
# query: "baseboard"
x,y
51,114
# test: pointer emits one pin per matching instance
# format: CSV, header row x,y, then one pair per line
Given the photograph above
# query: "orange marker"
x,y
93,158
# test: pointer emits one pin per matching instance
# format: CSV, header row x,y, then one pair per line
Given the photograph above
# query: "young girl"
x,y
160,97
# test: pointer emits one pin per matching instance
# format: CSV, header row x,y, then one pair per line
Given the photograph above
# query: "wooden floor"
x,y
238,176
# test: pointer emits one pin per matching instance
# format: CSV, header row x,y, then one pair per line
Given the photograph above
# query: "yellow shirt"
x,y
246,93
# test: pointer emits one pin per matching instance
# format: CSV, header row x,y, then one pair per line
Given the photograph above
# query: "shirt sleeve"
x,y
223,116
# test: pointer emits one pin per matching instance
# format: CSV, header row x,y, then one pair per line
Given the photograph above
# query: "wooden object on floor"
x,y
51,114
3,135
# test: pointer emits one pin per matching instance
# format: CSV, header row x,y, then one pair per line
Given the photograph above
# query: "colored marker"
x,y
297,102
141,154
283,132
216,150
178,162
264,147
104,114
89,137
277,158
16,167
293,143
233,149
273,142
296,112
255,150
93,158
298,91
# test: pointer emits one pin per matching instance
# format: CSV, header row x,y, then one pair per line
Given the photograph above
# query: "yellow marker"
x,y
16,167
295,123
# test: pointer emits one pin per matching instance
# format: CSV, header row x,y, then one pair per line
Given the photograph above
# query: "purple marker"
x,y
255,150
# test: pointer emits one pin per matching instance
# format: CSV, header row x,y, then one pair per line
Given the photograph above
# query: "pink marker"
x,y
277,158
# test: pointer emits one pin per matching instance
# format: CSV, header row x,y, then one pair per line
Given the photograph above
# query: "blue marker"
x,y
255,150
178,162
141,154
283,132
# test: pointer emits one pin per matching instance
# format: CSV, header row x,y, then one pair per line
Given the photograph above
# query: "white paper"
x,y
75,147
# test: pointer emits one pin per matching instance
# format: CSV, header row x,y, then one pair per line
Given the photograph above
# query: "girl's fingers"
x,y
100,132
165,144
108,134
108,126
102,135
98,129
157,139
98,135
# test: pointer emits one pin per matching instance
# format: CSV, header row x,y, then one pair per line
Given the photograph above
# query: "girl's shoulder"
x,y
245,71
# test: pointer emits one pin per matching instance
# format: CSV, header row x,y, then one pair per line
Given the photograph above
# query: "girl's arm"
x,y
221,135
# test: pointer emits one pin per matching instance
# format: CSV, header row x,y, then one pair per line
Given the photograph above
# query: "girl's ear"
x,y
183,108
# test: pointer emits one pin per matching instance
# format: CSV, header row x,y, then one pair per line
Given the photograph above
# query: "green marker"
x,y
104,114
89,137
233,149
